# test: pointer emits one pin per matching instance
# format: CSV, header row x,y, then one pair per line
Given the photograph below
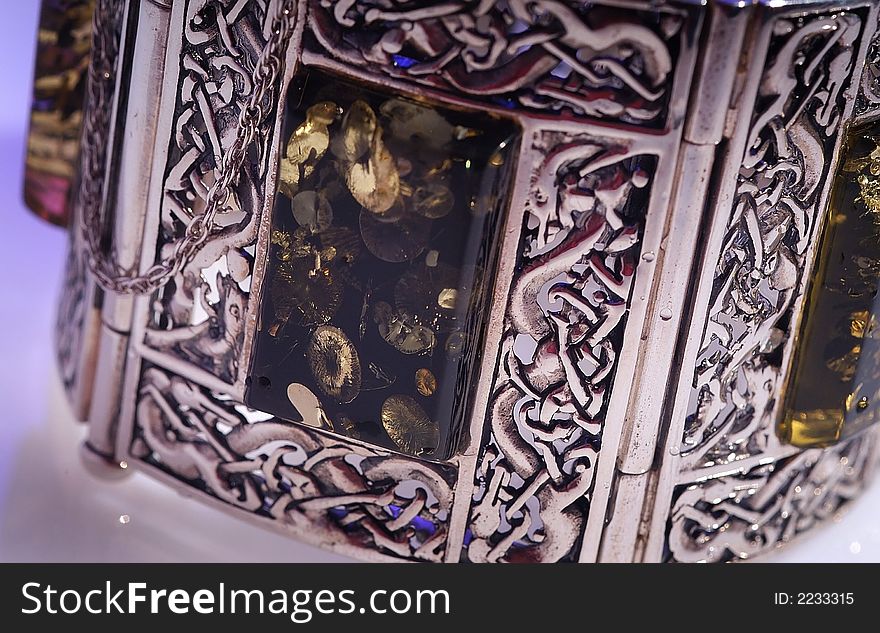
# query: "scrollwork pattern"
x,y
200,316
740,516
550,57
777,204
319,486
563,333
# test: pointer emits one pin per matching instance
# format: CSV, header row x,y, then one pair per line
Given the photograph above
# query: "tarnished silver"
x,y
261,104
674,168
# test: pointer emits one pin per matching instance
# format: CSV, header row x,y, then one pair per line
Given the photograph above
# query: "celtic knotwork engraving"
x,y
88,193
564,331
869,90
547,56
70,319
200,316
738,517
777,204
317,485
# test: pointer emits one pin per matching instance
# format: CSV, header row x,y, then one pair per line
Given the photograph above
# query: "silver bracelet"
x,y
473,280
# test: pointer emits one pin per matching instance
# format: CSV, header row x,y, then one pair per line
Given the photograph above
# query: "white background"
x,y
50,508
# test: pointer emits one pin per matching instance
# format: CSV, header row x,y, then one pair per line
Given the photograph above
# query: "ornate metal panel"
x,y
741,516
563,331
551,58
749,487
780,196
200,316
78,319
869,87
327,490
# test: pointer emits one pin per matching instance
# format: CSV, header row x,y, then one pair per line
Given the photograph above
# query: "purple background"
x,y
33,252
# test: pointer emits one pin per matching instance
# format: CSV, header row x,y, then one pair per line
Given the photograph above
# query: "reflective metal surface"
x,y
663,222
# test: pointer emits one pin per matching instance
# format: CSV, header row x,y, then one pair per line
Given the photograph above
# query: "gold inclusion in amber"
x,y
408,426
426,384
834,391
60,75
381,244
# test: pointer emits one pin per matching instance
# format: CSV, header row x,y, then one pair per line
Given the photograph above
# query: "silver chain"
x,y
259,105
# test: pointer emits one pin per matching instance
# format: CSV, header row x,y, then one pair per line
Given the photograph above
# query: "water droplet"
x,y
123,464
124,519
649,256
665,314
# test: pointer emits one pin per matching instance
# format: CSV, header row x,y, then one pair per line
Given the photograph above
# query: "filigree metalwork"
x,y
201,317
564,331
546,56
777,204
320,486
740,516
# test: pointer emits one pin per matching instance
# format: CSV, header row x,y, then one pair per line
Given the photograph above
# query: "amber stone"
x,y
63,47
834,390
379,267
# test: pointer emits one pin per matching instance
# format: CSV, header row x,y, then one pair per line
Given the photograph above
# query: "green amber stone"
x,y
373,303
834,391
